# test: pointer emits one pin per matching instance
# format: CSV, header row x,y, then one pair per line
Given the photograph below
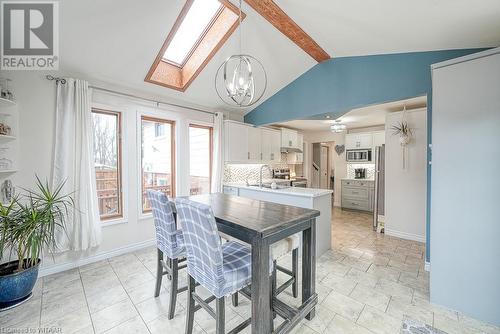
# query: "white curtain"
x,y
74,164
218,150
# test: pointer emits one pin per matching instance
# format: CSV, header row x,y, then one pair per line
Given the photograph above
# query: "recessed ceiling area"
x,y
359,118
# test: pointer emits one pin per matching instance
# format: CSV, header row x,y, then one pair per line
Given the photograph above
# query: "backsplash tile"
x,y
242,172
370,170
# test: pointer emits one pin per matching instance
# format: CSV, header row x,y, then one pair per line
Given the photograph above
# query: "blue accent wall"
x,y
338,85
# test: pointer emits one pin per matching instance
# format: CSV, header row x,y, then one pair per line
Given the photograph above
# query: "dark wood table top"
x,y
252,216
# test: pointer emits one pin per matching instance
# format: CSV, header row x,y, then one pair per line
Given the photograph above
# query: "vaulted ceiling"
x,y
116,41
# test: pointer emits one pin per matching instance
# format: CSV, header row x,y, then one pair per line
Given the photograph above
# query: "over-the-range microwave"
x,y
358,155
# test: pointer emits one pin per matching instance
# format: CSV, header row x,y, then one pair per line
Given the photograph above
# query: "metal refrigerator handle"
x,y
375,197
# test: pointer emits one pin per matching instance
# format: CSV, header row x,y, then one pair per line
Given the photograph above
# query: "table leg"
x,y
309,264
261,292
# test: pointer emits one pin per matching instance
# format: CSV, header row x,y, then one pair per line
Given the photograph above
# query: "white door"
x,y
324,168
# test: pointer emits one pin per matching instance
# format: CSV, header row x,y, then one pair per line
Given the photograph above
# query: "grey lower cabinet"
x,y
231,190
358,194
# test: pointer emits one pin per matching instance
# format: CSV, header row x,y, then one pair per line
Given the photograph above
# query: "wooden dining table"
x,y
261,224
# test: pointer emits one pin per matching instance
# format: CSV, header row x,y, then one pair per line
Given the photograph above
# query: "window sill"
x,y
146,216
114,222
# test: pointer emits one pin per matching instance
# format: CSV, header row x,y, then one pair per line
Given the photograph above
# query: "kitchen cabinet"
x,y
254,145
356,141
236,142
289,138
378,138
244,143
271,145
358,194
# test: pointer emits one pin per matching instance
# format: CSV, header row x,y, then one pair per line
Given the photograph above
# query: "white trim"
x,y
57,268
405,235
462,59
427,266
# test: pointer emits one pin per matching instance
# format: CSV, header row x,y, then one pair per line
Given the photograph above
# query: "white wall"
x,y
339,162
406,188
36,106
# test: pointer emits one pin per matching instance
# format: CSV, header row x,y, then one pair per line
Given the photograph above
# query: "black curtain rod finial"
x,y
56,79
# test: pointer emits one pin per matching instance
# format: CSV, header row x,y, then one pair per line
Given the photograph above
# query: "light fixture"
x,y
338,126
241,80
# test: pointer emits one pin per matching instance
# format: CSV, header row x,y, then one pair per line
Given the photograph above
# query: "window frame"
x,y
121,214
169,74
211,154
142,211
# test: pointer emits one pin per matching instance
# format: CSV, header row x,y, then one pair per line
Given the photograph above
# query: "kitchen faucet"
x,y
260,174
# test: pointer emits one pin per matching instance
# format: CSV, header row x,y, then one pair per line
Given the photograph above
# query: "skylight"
x,y
191,30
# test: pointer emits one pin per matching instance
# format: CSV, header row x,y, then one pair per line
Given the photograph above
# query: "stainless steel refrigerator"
x,y
379,196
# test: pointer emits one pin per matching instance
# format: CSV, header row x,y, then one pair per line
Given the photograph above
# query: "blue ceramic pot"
x,y
18,285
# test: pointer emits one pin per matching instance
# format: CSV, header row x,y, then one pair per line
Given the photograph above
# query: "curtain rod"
x,y
63,81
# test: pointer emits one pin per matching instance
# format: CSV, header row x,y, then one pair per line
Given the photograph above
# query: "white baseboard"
x,y
57,268
427,266
405,235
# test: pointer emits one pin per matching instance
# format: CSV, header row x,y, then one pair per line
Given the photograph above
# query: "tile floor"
x,y
368,283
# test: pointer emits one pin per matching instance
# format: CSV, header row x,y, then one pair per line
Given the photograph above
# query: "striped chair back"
x,y
202,242
165,226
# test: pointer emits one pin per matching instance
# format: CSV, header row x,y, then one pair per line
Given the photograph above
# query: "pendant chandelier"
x,y
241,80
337,126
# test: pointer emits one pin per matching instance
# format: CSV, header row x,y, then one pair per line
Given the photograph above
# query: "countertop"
x,y
366,180
293,191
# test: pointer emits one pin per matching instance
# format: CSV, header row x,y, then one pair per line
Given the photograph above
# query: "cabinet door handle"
x,y
248,155
290,143
272,156
355,192
261,156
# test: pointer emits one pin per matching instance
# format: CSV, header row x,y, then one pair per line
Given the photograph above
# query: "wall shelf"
x,y
6,102
7,171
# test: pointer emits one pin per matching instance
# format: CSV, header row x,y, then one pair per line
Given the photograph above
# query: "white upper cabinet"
x,y
289,138
300,141
378,138
236,142
271,145
358,141
254,145
247,144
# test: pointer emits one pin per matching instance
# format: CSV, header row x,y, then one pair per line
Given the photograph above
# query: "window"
x,y
107,162
159,130
157,158
198,33
200,159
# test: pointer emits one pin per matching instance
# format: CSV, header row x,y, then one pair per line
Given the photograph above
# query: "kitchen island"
x,y
309,198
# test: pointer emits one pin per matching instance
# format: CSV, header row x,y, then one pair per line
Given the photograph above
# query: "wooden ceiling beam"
x,y
279,19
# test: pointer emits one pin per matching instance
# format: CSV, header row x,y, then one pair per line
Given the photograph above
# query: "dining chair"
x,y
170,246
221,268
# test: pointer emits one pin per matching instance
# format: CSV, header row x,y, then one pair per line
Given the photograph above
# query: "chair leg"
x,y
234,299
295,269
173,287
274,283
190,305
159,273
219,316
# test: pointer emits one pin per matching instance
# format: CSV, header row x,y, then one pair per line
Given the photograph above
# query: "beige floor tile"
x,y
146,291
55,281
362,277
22,316
113,315
395,289
370,297
321,320
162,325
343,305
71,322
401,309
96,286
341,325
387,273
132,326
54,309
107,297
447,324
153,307
94,266
66,289
340,284
361,265
379,322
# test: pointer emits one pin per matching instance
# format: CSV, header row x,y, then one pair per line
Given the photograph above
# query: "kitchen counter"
x,y
293,191
369,180
309,198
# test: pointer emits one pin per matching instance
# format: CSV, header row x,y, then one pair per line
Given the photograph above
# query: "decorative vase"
x,y
16,287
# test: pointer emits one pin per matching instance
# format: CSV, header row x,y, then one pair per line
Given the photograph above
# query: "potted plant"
x,y
28,226
403,130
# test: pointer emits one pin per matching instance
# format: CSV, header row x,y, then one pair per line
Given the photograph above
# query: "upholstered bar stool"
x,y
222,269
280,249
170,245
